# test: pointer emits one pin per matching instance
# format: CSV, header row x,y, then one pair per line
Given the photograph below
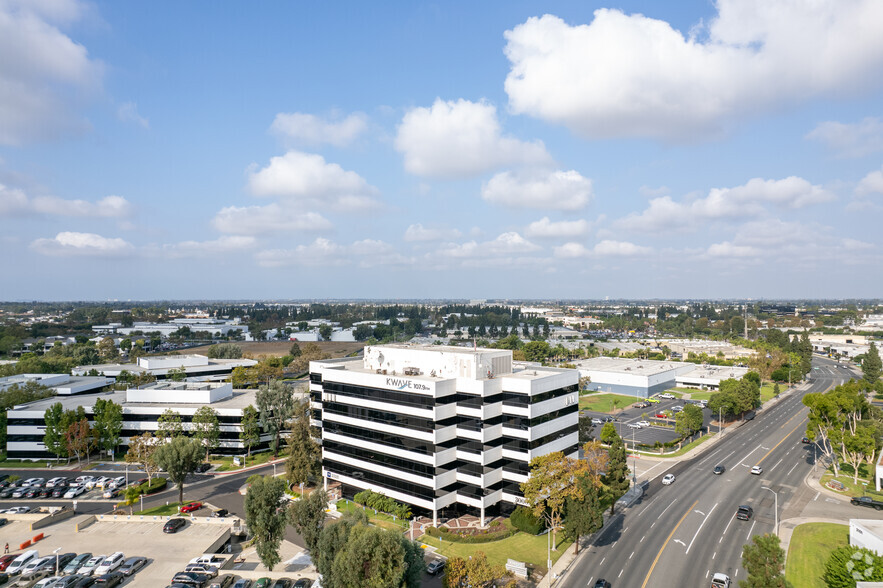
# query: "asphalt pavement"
x,y
679,535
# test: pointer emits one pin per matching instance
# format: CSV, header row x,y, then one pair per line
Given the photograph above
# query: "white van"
x,y
720,581
110,563
21,561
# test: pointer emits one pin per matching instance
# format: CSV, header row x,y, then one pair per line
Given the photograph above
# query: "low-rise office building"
x,y
444,429
709,377
62,384
142,408
159,366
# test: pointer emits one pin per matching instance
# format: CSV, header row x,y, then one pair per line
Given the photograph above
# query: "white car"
x,y
720,581
48,582
644,423
32,482
96,483
82,480
212,560
633,426
74,491
757,470
19,510
668,479
53,481
32,565
89,567
666,396
21,561
110,563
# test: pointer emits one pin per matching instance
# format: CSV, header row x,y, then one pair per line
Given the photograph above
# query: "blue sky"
x,y
459,149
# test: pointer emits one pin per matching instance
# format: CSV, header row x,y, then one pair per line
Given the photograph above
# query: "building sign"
x,y
521,501
402,384
332,476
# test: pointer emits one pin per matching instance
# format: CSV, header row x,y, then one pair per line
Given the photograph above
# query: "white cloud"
x,y
273,218
546,229
850,140
561,190
44,75
307,177
871,183
128,112
728,249
15,202
630,75
417,232
324,252
222,245
605,248
310,129
745,201
82,244
461,139
510,243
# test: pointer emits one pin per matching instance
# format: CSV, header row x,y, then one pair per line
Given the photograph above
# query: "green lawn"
x,y
604,402
521,546
766,391
701,394
679,392
23,464
683,449
378,518
164,510
226,463
864,486
809,549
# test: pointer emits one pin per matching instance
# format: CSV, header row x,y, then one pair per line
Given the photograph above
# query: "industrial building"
x,y
640,378
444,429
194,366
142,408
709,377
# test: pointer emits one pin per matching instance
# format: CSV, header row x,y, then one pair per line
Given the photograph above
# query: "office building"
x,y
446,430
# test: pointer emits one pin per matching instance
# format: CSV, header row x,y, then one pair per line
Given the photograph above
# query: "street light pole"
x,y
55,553
776,494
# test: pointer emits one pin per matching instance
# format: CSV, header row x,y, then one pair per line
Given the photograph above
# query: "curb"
x,y
248,469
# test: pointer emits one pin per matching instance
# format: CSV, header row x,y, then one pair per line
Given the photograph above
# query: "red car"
x,y
6,560
661,416
191,506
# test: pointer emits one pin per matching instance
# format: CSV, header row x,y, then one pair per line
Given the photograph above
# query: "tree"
x,y
332,539
617,477
308,517
79,439
141,451
206,428
871,365
276,405
251,429
131,494
179,458
266,520
553,478
325,332
608,433
689,420
169,425
583,517
107,350
305,455
178,374
536,351
56,428
295,350
224,351
108,422
474,572
847,564
374,556
362,332
764,561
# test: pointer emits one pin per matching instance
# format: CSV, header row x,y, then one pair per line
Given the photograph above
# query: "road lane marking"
x,y
713,555
750,532
620,572
589,583
777,463
602,560
633,553
700,527
642,539
792,469
670,535
816,497
681,542
727,527
747,456
780,442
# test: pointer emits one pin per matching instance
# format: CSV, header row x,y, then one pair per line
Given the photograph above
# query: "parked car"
x,y
7,559
110,492
633,426
173,525
866,501
203,468
191,507
132,565
53,481
302,583
20,492
220,513
221,581
209,560
23,559
59,491
88,568
596,421
31,482
76,563
263,583
677,408
35,565
644,423
654,400
642,404
19,510
435,566
49,582
209,570
3,522
718,470
109,580
668,479
110,563
666,396
281,583
70,581
661,415
757,470
243,583
74,491
191,578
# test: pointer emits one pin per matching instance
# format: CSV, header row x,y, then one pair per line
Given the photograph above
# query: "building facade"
x,y
142,408
443,429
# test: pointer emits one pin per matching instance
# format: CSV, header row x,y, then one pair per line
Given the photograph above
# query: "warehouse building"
x,y
709,377
447,430
142,408
640,378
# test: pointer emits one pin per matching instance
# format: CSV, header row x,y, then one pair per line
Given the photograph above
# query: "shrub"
x,y
524,520
495,533
155,485
382,503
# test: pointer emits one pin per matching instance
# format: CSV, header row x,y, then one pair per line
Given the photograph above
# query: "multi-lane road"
x,y
680,535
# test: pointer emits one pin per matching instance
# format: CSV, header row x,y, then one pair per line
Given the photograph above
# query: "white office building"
x,y
444,429
632,377
142,408
709,377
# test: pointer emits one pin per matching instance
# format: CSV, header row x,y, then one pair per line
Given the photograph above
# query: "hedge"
x,y
155,485
482,538
523,519
383,503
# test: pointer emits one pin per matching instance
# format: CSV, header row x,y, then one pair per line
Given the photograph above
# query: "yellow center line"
x,y
800,424
658,555
789,420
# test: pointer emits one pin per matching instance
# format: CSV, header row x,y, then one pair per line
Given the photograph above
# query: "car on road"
x,y
806,441
609,419
744,512
191,507
866,501
633,426
435,566
654,400
668,479
644,423
602,583
173,525
596,421
757,470
718,470
661,415
720,581
677,408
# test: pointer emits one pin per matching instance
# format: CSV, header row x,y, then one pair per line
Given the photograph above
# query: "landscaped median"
x,y
808,551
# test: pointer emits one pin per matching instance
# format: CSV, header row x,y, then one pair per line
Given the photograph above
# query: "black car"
x,y
172,525
45,493
866,501
3,522
435,566
7,492
59,492
718,470
69,581
203,468
191,578
805,441
281,583
224,581
32,493
744,513
302,583
109,580
602,583
83,582
221,512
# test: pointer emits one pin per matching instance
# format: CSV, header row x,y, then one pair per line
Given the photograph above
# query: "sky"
x,y
500,149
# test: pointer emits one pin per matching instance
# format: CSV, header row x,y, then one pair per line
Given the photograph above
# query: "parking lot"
x,y
645,435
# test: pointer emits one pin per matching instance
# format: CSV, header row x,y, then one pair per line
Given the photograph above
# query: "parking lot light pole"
x,y
55,553
776,494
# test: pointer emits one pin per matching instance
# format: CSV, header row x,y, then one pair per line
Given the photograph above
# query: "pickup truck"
x,y
866,501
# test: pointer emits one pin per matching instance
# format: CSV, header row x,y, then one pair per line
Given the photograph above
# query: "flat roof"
x,y
642,367
239,400
521,370
722,372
